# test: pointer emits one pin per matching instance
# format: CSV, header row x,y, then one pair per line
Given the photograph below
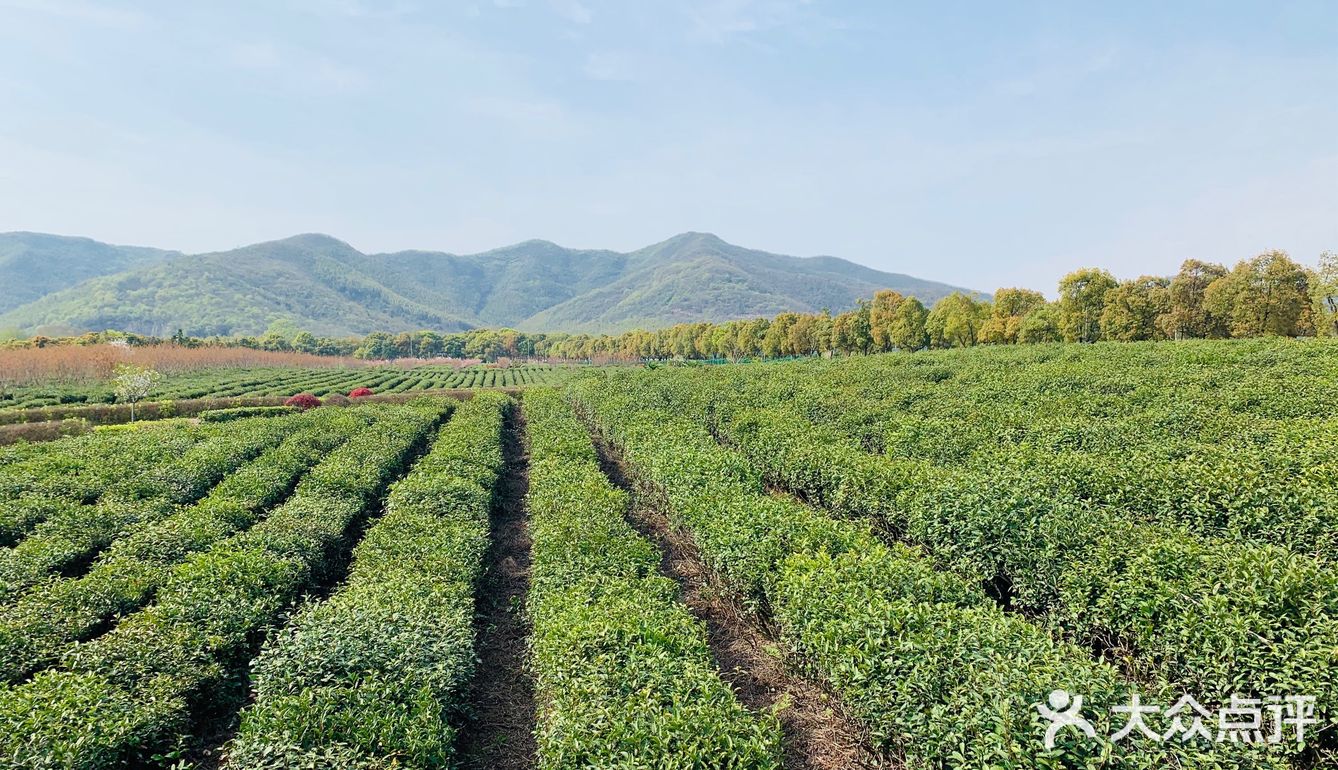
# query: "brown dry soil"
x,y
499,732
817,734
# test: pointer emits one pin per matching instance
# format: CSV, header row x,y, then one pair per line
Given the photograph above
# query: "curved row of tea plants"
x,y
51,478
1228,438
275,381
1265,479
1209,616
1218,599
372,676
72,537
137,695
43,623
933,669
624,676
1173,506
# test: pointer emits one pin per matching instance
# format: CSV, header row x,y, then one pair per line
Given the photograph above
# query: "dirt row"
x,y
817,734
499,734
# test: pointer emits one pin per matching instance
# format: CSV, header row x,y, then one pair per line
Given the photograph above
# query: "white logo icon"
x,y
1064,711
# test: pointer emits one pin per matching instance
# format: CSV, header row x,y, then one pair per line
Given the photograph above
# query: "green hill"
x,y
33,265
324,285
699,277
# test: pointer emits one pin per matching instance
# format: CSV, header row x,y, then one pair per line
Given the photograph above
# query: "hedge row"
x,y
132,696
1228,439
1229,445
1207,616
372,677
624,676
241,412
28,434
1183,561
45,621
1247,478
119,414
71,537
935,671
76,471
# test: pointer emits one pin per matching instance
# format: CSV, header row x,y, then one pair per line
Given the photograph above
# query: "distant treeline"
x,y
1268,295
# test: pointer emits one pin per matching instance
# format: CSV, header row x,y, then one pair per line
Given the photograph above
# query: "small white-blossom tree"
x,y
133,383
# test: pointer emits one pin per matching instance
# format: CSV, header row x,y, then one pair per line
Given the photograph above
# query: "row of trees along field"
x,y
1268,295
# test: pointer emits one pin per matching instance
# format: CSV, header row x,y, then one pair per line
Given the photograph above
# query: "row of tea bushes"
x,y
135,696
372,676
624,677
50,479
69,539
44,622
935,671
1206,615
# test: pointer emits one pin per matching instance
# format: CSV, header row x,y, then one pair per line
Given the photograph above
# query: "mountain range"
x,y
56,284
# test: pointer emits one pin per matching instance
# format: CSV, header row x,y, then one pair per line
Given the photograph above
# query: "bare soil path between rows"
x,y
499,733
817,735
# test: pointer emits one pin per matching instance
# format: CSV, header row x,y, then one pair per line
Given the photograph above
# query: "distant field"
x,y
881,561
289,380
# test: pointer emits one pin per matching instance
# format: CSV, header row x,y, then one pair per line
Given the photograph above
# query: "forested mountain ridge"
x,y
321,284
33,265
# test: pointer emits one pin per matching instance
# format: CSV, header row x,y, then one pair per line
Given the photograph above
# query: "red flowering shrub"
x,y
303,401
359,392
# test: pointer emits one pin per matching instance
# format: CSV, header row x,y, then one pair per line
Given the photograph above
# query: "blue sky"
x,y
984,144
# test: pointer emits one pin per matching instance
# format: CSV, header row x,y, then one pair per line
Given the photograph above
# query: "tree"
x,y
1006,314
404,345
802,337
882,310
1324,295
429,344
749,341
1187,316
907,331
1082,299
305,342
133,383
377,345
275,342
777,334
485,344
1134,308
843,332
1267,295
1040,325
955,321
851,332
822,332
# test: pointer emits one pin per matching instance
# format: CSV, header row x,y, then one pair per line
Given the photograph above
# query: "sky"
x,y
982,144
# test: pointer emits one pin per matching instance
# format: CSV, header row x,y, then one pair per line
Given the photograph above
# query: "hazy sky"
x,y
984,144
